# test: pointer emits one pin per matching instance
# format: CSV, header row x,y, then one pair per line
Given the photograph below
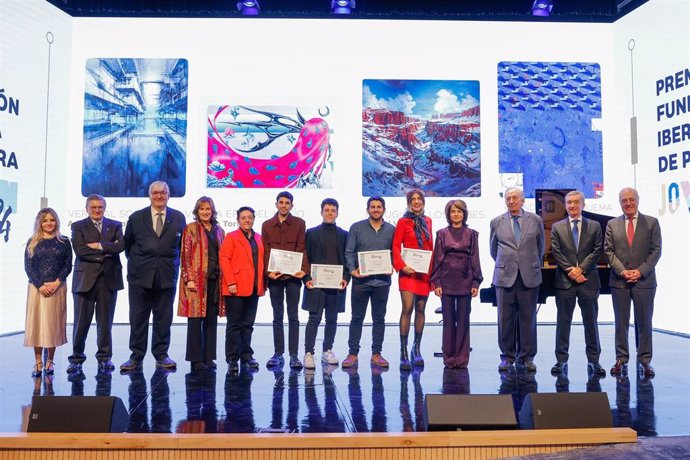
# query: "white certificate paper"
x,y
326,276
285,262
375,262
418,259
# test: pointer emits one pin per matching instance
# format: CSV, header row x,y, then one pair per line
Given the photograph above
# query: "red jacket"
x,y
237,266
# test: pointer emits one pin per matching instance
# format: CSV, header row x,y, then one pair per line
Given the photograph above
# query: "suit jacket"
x,y
194,260
316,254
525,255
90,263
585,257
237,264
147,252
643,255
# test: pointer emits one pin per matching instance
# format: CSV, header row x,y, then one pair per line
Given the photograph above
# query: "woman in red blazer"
x,y
242,267
413,231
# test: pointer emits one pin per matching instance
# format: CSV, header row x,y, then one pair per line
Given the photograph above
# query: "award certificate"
x,y
418,259
285,262
326,276
375,262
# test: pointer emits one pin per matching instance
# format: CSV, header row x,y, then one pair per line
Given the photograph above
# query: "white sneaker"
x,y
329,357
309,361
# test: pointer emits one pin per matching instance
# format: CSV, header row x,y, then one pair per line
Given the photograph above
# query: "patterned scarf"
x,y
421,231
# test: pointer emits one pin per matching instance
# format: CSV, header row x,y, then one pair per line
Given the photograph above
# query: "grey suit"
x,y
643,255
517,276
568,291
96,279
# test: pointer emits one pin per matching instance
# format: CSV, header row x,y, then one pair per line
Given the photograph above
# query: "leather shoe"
x,y
595,369
106,365
350,361
378,360
250,363
620,367
130,365
73,368
527,365
505,365
166,363
295,363
647,370
199,366
233,366
211,365
561,367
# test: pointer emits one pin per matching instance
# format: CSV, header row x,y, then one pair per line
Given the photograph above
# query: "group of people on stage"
x,y
224,275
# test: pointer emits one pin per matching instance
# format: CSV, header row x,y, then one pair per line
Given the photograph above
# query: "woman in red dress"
x,y
413,231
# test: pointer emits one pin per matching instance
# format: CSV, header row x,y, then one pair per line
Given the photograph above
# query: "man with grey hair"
x,y
97,276
633,247
517,246
152,247
576,244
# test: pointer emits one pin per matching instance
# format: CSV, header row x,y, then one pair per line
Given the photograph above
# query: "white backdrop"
x,y
281,62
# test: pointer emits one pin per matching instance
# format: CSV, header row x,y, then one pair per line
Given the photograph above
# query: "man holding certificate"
x,y
325,282
284,269
368,260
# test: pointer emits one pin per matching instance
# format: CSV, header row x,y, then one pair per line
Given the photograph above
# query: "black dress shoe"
x,y
505,365
620,367
211,365
276,360
250,363
73,368
199,366
106,365
647,370
561,367
527,365
130,365
166,363
233,366
295,363
595,369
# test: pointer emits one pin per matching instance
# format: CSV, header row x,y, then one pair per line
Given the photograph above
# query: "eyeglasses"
x,y
162,192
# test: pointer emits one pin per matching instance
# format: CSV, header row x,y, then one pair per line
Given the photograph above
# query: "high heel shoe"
x,y
37,370
49,368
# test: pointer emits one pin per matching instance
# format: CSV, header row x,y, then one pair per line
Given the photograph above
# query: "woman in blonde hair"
x,y
47,262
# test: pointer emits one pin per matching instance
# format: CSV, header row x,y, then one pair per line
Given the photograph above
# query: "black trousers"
x,y
101,301
331,309
241,313
202,332
142,303
288,291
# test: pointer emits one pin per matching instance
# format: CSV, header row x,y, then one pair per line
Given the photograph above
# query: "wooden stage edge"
x,y
378,446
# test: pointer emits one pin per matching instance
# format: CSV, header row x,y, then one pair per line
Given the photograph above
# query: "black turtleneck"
x,y
330,244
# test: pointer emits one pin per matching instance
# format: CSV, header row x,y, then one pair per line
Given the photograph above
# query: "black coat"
x,y
90,263
316,254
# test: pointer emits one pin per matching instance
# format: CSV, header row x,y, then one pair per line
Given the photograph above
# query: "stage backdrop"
x,y
251,96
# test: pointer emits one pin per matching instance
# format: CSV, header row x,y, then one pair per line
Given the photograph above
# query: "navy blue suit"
x,y
153,264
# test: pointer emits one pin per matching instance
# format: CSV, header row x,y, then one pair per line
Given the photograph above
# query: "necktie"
x,y
631,231
99,225
516,229
576,233
159,223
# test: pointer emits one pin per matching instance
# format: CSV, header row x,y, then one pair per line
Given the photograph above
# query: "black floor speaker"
x,y
77,414
469,412
565,410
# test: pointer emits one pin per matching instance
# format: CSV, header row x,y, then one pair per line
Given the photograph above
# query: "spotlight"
x,y
542,7
249,8
342,6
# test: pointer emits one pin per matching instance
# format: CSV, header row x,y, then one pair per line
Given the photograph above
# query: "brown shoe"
x,y
350,361
620,367
646,369
378,360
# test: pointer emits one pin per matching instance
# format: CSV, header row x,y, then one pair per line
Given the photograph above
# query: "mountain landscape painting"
x,y
421,134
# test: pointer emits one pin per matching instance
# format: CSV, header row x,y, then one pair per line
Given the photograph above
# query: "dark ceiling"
x,y
481,10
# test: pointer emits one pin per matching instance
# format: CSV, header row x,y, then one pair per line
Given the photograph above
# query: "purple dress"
x,y
456,269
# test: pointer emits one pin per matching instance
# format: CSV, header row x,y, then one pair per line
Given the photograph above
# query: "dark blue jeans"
x,y
361,294
281,292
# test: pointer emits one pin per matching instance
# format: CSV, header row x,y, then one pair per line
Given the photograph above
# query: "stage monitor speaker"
x,y
77,414
469,412
565,410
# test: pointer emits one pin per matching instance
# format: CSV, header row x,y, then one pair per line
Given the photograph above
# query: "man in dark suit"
x,y
152,247
576,244
633,248
517,246
325,245
97,276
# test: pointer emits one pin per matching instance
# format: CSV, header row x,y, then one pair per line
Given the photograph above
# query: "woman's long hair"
x,y
37,237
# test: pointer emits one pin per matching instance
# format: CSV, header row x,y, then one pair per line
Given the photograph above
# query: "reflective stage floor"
x,y
332,399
